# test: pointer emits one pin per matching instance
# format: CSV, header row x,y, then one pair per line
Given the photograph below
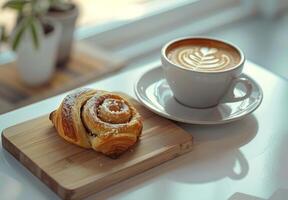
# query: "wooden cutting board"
x,y
73,172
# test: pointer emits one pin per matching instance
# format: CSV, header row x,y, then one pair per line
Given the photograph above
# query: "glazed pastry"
x,y
97,119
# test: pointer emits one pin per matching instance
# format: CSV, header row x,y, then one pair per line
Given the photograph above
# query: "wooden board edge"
x,y
31,166
8,146
167,153
187,146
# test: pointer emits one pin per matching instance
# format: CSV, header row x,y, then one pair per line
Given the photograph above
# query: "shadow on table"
x,y
212,147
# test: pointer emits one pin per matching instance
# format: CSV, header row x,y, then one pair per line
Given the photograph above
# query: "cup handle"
x,y
230,97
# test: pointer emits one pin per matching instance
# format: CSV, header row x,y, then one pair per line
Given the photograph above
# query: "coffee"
x,y
203,55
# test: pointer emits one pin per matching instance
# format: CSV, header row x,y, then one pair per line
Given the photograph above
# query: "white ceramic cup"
x,y
204,89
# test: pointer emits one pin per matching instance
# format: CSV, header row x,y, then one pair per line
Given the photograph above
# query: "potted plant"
x,y
66,13
34,40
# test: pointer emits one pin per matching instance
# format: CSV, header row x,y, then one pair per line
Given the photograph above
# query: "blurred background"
x,y
121,35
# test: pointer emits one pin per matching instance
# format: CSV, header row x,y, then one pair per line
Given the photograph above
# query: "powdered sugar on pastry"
x,y
104,121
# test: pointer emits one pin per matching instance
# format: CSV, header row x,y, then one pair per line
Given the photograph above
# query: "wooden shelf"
x,y
85,65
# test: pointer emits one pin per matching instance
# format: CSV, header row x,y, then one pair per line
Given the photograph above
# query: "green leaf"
x,y
19,33
29,24
34,33
15,4
2,33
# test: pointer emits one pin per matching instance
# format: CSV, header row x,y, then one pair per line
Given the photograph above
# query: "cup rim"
x,y
242,56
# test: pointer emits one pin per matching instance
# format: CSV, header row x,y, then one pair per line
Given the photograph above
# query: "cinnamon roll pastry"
x,y
103,121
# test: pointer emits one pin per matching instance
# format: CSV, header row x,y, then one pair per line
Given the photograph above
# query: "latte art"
x,y
203,58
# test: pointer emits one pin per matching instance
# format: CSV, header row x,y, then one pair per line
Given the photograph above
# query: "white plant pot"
x,y
67,20
36,66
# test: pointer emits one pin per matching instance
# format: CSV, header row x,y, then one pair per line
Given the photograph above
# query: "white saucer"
x,y
154,92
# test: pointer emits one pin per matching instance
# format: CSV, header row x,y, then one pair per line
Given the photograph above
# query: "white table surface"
x,y
232,161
